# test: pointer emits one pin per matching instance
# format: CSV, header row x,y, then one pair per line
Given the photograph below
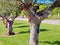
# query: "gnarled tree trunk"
x,y
34,31
34,27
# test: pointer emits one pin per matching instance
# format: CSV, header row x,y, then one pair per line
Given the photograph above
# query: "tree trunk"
x,y
10,28
34,31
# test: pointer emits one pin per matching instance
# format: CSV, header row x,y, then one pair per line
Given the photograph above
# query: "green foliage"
x,y
23,13
55,11
53,14
8,6
42,7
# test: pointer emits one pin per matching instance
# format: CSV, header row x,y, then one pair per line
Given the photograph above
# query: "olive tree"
x,y
35,20
8,7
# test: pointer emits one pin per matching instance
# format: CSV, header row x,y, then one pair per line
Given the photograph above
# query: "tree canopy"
x,y
10,6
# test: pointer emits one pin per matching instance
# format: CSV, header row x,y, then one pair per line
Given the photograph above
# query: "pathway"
x,y
55,22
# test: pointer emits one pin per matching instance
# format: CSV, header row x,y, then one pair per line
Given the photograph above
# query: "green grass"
x,y
49,34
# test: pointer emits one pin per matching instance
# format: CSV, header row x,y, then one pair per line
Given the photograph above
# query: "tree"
x,y
35,20
9,21
8,7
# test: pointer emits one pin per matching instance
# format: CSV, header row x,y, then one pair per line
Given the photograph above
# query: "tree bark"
x,y
34,31
10,28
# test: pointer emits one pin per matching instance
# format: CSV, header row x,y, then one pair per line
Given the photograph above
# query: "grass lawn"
x,y
49,34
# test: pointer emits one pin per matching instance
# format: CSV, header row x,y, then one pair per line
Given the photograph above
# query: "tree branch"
x,y
43,14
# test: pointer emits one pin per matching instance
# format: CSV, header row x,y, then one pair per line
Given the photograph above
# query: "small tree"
x,y
8,7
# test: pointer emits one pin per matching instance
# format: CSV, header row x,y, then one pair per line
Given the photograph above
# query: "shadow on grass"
x,y
23,32
41,30
21,26
52,43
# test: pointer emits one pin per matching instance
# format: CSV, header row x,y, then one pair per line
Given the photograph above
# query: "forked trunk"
x,y
34,31
9,26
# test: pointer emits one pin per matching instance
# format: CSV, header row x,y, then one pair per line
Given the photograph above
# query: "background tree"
x,y
9,7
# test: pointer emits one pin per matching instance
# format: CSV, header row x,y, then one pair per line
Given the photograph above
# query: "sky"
x,y
40,1
46,1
